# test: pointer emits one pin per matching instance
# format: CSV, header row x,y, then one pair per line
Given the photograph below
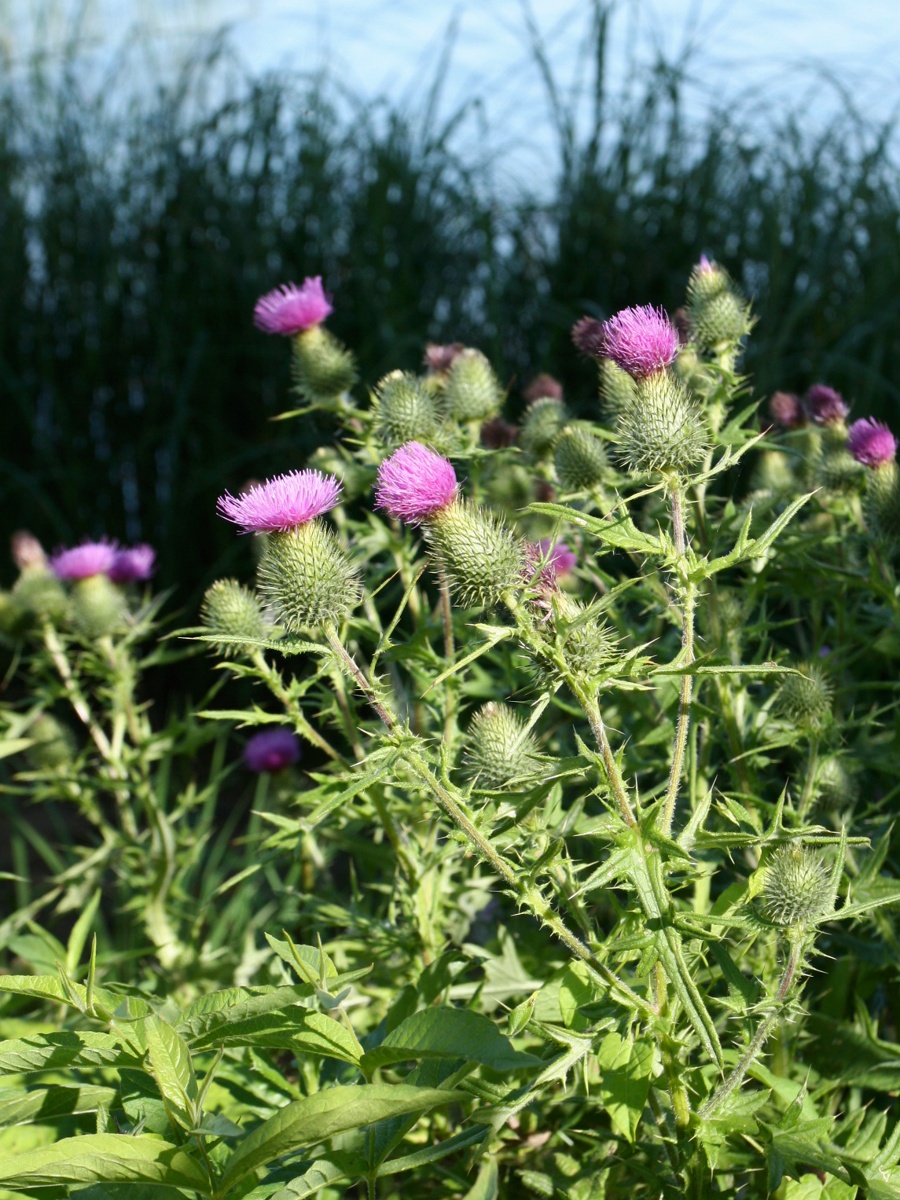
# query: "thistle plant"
x,y
559,809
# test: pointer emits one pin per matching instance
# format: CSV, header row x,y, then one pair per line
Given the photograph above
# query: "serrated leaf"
x,y
314,1118
105,1158
448,1033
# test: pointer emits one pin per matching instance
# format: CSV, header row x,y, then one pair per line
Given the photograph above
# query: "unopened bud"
x,y
98,606
54,743
617,388
472,392
40,596
805,700
323,369
541,426
500,750
588,642
796,891
477,553
405,411
306,578
663,428
580,460
27,552
834,783
233,611
881,503
719,314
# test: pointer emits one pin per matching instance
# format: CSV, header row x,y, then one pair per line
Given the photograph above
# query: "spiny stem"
x,y
449,654
687,658
613,774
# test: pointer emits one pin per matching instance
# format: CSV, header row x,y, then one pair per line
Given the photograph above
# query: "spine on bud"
x,y
476,553
233,611
501,751
404,410
472,392
323,369
579,459
663,428
306,578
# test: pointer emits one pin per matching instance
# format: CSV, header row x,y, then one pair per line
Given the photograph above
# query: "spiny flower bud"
x,y
579,459
54,743
476,553
588,642
617,388
306,578
774,472
881,503
500,750
40,596
797,888
404,409
719,315
663,428
543,387
322,368
98,606
707,281
541,425
805,700
472,392
834,783
836,468
230,610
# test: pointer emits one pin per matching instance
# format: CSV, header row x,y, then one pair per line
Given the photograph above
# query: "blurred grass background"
x,y
136,235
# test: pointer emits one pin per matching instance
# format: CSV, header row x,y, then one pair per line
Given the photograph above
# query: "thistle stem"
x,y
687,658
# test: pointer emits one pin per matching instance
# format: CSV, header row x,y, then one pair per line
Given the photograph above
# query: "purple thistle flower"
x,y
81,562
272,750
871,443
439,359
587,334
543,386
824,405
705,266
640,340
281,503
560,556
786,409
289,309
414,484
133,565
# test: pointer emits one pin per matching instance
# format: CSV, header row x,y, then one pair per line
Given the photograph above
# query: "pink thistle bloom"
x,y
133,565
640,340
706,266
871,443
289,309
559,556
439,359
414,484
587,335
81,562
786,409
824,405
272,750
281,503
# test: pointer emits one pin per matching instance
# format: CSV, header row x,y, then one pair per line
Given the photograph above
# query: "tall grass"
x,y
136,236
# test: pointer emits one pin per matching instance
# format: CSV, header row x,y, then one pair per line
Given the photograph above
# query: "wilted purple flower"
x,y
786,409
133,565
545,385
414,483
272,750
640,340
289,309
871,443
439,359
90,558
559,555
587,334
281,503
824,405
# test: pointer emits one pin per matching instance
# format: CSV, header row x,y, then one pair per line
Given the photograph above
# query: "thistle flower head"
x,y
289,309
439,359
663,428
500,750
796,889
543,421
579,459
805,700
497,434
272,750
640,340
477,554
414,484
786,410
559,556
404,409
541,386
27,552
871,442
306,578
587,335
231,610
81,562
473,392
133,564
281,503
824,405
617,388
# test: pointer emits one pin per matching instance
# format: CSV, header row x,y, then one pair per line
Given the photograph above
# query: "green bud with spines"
x,y
478,555
579,459
834,783
719,315
805,700
54,744
881,503
797,888
617,388
99,606
836,468
322,368
305,577
500,749
405,411
587,642
472,391
774,472
231,610
541,425
40,596
663,428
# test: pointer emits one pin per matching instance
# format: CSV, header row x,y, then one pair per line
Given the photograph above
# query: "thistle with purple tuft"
x,y
271,751
289,310
414,484
871,442
84,561
282,503
641,340
133,565
824,405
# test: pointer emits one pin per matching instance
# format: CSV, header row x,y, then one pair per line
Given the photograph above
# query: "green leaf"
x,y
170,1065
51,987
18,1107
487,1185
625,1070
448,1033
620,532
80,931
63,1051
324,1114
130,1191
299,1030
324,1172
105,1158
